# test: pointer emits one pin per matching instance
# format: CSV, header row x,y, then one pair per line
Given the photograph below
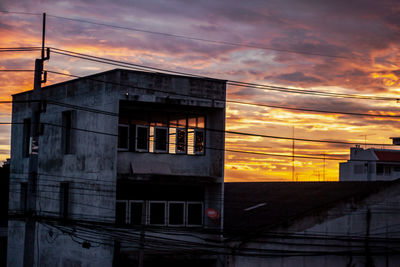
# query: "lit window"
x,y
123,137
190,140
142,138
194,213
157,212
160,139
172,140
176,213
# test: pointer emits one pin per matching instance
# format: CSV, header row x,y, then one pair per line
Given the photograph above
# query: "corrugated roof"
x,y
250,207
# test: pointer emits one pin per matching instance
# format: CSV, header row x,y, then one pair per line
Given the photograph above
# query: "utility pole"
x,y
293,153
36,109
324,169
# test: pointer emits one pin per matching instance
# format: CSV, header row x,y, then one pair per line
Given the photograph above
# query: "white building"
x,y
370,165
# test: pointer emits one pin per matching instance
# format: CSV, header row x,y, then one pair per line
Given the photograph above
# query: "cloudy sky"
x,y
349,47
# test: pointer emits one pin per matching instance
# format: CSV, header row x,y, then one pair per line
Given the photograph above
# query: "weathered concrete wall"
x,y
90,169
343,236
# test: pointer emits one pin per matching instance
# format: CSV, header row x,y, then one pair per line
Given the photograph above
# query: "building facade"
x,y
312,224
371,165
127,160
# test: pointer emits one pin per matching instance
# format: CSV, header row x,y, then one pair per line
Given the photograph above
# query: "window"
x,y
172,140
67,132
142,138
160,139
194,213
180,140
136,212
382,169
172,213
64,199
198,141
123,137
121,212
176,213
157,212
26,144
169,133
24,197
196,136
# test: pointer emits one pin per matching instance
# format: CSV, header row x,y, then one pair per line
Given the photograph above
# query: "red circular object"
x,y
212,213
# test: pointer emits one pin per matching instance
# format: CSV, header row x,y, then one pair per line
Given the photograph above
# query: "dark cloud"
x,y
296,77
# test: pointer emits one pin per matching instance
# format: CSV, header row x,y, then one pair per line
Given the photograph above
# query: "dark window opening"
x,y
142,138
161,142
26,138
64,199
120,213
24,197
199,142
382,169
176,213
67,133
157,213
123,137
194,214
180,141
136,211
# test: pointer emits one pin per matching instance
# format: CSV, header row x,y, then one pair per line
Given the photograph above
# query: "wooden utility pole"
x,y
36,109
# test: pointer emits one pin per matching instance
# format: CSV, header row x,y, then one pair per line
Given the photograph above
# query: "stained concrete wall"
x,y
343,236
92,169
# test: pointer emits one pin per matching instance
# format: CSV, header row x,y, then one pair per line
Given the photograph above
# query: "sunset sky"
x,y
350,47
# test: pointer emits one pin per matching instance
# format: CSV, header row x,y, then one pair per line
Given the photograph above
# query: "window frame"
x,y
129,215
184,152
127,137
184,213
187,214
166,139
126,211
136,138
148,214
204,141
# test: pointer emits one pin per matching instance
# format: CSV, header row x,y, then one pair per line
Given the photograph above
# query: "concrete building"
x,y
130,170
312,224
371,165
4,190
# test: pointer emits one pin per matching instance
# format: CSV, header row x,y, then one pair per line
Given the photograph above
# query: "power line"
x,y
231,82
230,101
225,131
20,13
261,47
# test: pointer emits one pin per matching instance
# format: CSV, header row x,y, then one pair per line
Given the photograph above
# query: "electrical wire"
x,y
232,82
